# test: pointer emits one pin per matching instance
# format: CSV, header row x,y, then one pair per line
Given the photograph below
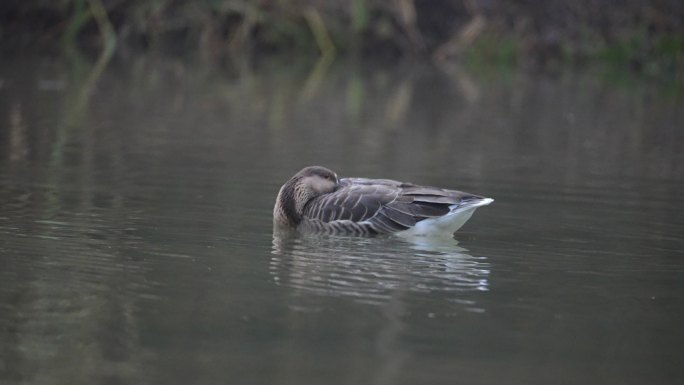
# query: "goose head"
x,y
305,185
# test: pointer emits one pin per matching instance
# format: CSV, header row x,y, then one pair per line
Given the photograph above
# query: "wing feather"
x,y
400,217
383,224
350,202
380,205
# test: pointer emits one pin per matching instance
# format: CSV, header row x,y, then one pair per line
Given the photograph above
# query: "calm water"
x,y
136,242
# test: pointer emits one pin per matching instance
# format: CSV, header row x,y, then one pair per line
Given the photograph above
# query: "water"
x,y
136,243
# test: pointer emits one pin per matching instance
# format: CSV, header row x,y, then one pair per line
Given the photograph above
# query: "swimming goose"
x,y
315,200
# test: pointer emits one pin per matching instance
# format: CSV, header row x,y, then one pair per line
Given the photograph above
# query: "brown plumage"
x,y
314,200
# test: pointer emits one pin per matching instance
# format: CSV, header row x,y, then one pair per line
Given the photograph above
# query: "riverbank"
x,y
642,37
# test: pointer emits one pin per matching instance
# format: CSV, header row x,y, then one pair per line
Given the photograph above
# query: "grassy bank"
x,y
644,36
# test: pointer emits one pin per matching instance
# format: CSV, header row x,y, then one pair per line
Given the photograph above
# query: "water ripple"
x,y
371,270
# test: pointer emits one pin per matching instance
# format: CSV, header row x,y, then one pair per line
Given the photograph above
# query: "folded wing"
x,y
381,205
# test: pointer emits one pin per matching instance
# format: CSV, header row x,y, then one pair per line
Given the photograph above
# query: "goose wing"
x,y
382,205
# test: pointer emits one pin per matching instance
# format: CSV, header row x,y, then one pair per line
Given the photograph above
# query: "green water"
x,y
136,241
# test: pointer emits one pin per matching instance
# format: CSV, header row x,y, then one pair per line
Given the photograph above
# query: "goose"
x,y
315,200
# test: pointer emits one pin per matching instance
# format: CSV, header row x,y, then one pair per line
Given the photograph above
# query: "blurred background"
x,y
643,36
142,144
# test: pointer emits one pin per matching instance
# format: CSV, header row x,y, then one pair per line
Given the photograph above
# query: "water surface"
x,y
136,242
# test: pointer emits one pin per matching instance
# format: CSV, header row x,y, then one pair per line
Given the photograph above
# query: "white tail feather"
x,y
446,225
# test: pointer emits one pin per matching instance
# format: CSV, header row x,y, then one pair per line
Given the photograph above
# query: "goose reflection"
x,y
372,270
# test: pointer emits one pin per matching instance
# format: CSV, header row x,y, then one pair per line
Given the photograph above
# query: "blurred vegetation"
x,y
644,36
